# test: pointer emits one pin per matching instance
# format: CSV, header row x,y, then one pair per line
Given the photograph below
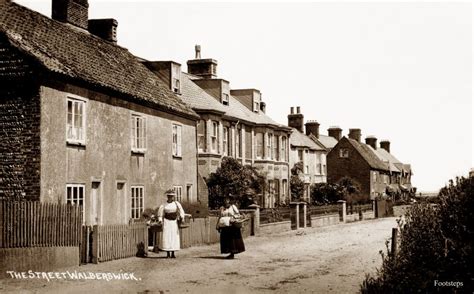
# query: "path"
x,y
331,259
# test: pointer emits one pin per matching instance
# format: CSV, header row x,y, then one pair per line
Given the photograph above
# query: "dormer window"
x,y
175,78
256,106
225,99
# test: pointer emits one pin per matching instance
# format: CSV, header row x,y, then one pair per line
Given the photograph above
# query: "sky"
x,y
400,71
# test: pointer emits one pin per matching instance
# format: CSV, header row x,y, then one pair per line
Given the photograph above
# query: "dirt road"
x,y
332,259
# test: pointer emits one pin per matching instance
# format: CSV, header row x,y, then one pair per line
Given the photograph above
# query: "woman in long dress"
x,y
168,215
231,237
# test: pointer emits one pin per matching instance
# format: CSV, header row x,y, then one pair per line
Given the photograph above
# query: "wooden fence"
x,y
111,242
36,224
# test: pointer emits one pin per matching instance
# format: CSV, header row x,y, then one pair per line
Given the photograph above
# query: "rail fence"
x,y
36,224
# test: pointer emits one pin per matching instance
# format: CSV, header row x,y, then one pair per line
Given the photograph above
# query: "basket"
x,y
186,222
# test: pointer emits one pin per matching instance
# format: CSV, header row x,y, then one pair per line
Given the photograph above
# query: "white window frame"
x,y
225,98
283,154
343,153
177,131
284,187
201,136
73,138
270,145
215,137
256,106
225,141
136,210
238,143
76,200
179,193
135,138
259,147
275,152
176,78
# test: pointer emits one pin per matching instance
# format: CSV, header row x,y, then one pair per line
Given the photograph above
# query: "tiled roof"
x,y
367,153
400,166
196,97
76,54
383,156
327,141
235,109
298,139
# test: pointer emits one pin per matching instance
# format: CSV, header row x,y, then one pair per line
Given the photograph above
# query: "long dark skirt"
x,y
231,240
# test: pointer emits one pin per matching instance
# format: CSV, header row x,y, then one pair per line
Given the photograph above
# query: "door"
x,y
95,204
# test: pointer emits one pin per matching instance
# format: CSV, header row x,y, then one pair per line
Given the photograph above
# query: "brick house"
x,y
83,121
232,123
376,170
306,148
356,160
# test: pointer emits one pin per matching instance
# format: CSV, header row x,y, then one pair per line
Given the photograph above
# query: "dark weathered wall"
x,y
19,127
354,167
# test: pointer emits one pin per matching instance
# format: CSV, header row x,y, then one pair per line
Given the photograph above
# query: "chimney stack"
x,y
355,134
385,144
205,68
263,106
335,132
312,127
104,28
295,120
372,141
75,12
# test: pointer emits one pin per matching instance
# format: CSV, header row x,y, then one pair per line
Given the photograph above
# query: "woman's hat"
x,y
170,192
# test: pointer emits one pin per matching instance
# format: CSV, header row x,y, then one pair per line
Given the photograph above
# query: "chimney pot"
x,y
355,134
312,127
75,12
292,110
104,28
197,48
335,132
385,144
371,141
296,120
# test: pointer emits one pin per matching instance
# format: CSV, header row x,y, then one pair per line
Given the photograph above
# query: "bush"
x,y
297,185
232,178
436,244
325,193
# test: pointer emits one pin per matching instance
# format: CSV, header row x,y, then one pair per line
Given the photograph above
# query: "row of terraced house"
x,y
85,121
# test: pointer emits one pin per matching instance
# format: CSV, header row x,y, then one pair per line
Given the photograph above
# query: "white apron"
x,y
170,235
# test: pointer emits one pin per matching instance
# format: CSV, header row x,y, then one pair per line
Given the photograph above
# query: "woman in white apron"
x,y
168,214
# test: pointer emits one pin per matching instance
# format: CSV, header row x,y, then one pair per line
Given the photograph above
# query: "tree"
x,y
325,193
436,244
232,178
296,184
350,190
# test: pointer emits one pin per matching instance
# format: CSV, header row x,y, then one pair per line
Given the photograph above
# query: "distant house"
x,y
374,169
84,122
232,123
305,148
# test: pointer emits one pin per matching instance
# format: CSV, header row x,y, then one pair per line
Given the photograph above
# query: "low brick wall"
x,y
368,215
37,259
275,227
324,220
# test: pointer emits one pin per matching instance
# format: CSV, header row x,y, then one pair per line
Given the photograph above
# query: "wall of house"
x,y
19,126
354,167
106,162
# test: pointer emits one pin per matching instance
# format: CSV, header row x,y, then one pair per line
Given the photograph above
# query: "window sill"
x,y
139,151
178,157
76,143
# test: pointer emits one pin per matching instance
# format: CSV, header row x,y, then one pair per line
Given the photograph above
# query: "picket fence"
x,y
111,242
36,224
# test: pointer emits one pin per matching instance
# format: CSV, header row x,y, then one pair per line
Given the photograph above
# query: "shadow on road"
x,y
212,257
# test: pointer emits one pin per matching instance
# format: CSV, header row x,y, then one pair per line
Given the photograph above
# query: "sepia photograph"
x,y
236,146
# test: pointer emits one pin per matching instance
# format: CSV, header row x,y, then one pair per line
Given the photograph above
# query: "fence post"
x,y
394,242
95,244
376,208
343,218
361,215
304,214
256,219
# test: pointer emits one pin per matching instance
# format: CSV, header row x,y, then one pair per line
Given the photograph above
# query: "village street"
x,y
331,259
